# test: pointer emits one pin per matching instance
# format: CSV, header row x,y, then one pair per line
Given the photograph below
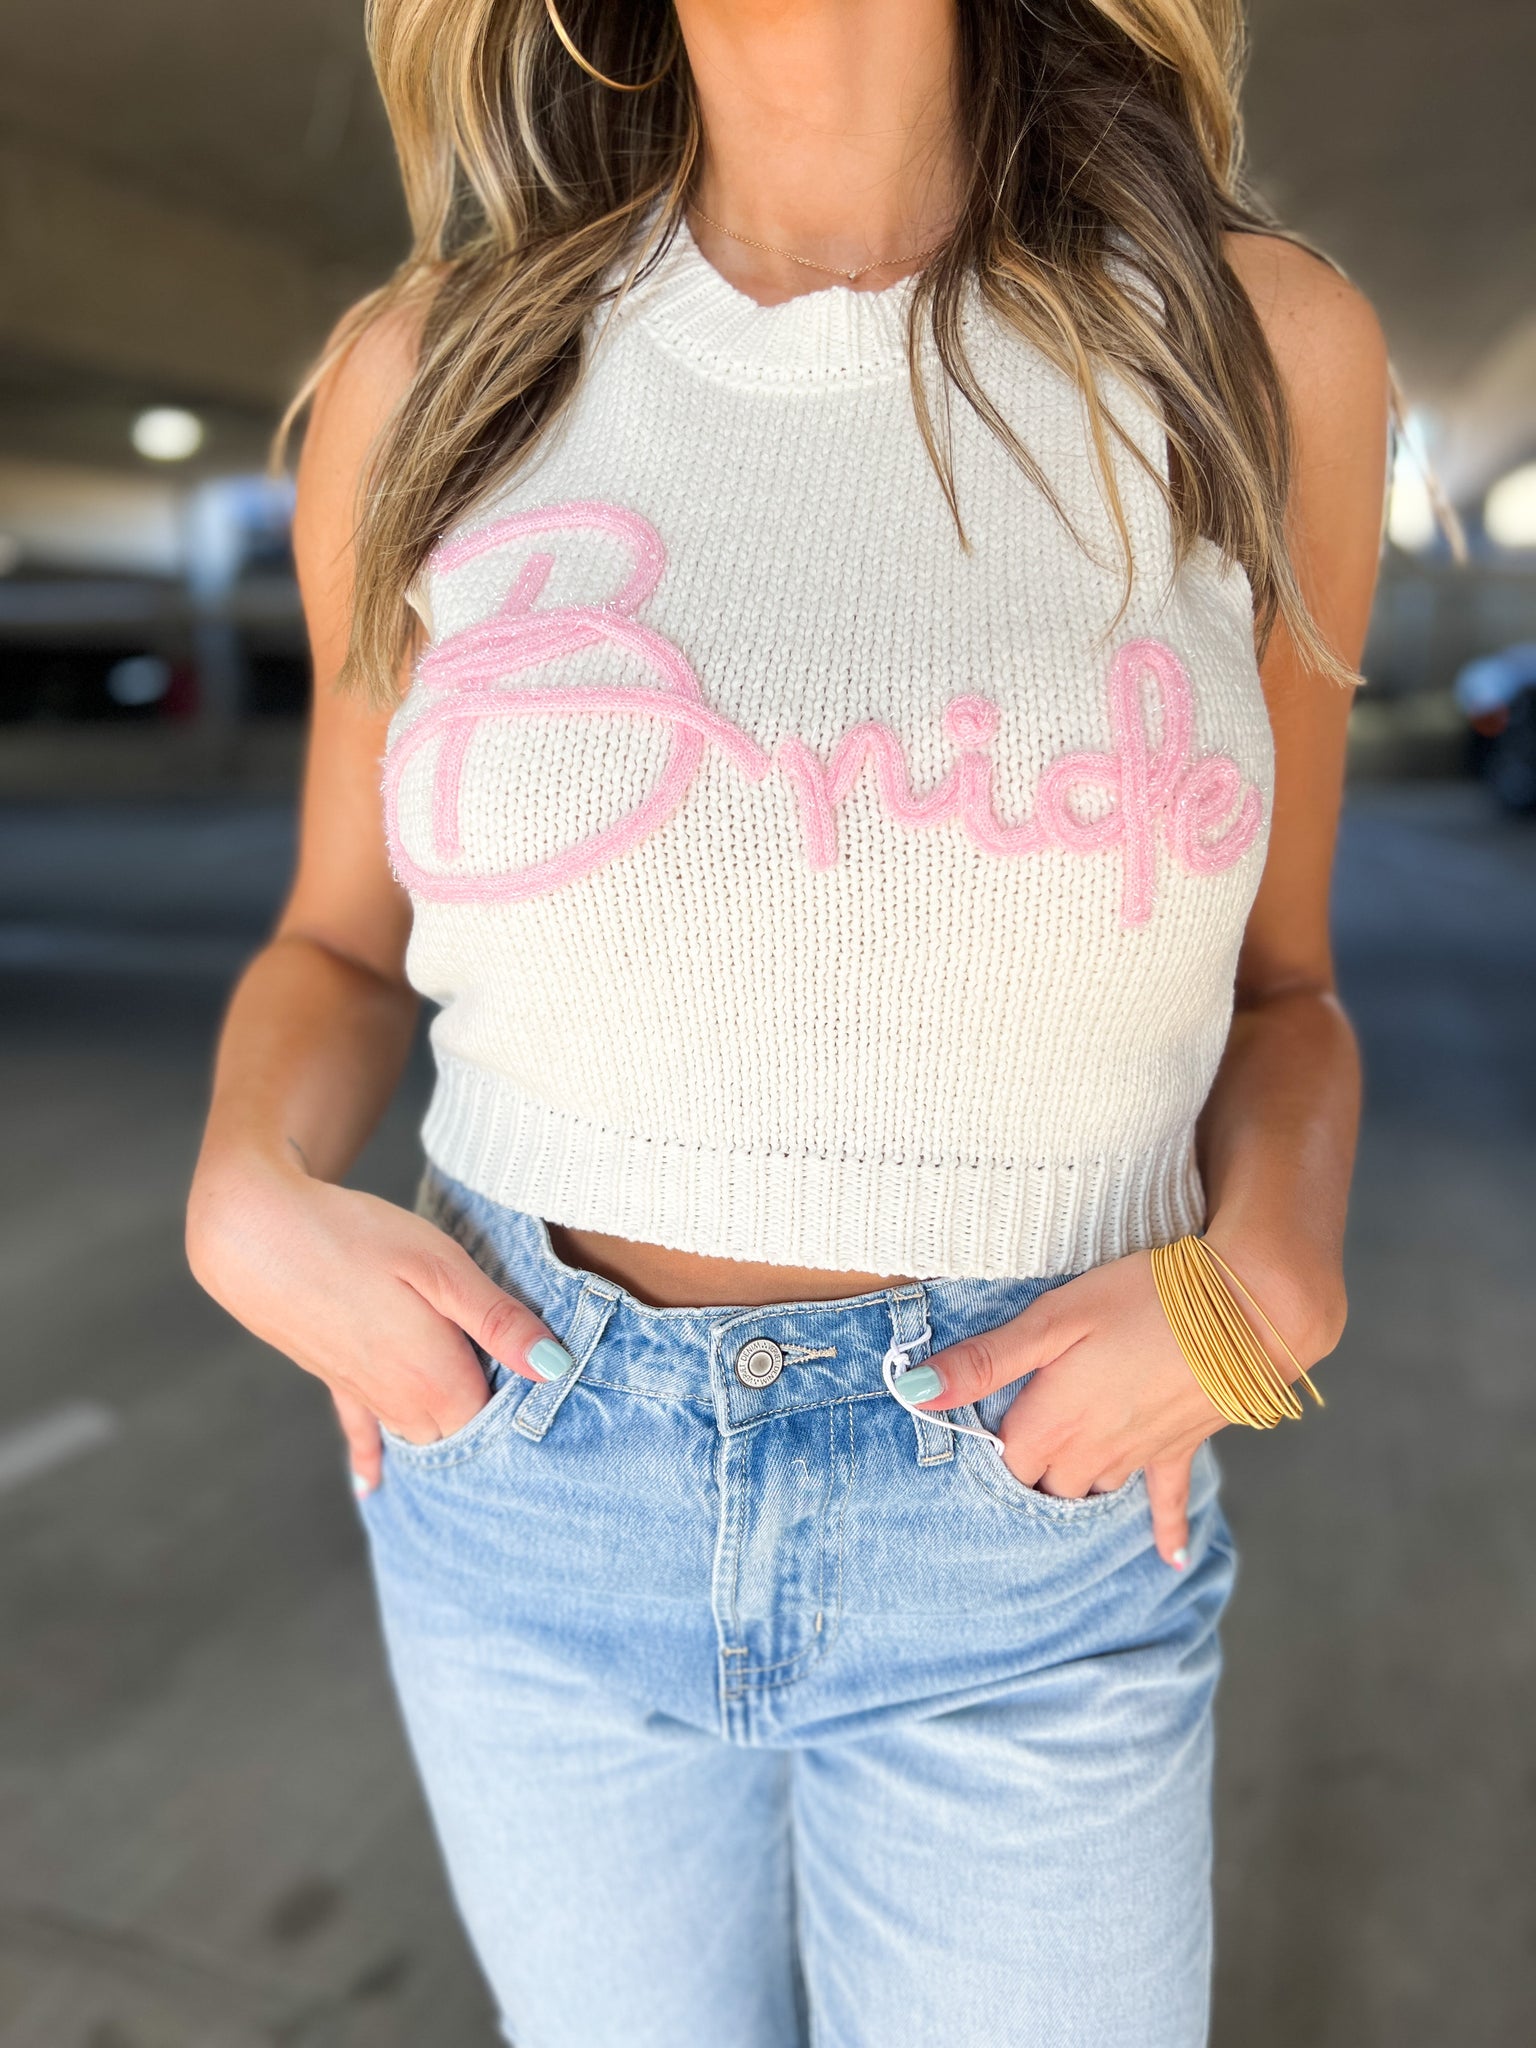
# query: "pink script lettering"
x,y
1204,812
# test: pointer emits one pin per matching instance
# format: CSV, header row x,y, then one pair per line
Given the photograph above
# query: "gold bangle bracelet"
x,y
1237,1374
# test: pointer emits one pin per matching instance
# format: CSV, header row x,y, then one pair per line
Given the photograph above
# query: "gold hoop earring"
x,y
613,84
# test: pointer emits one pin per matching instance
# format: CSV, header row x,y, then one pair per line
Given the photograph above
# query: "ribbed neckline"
x,y
829,335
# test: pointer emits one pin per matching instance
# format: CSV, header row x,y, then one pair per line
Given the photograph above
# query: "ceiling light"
x,y
1509,510
167,434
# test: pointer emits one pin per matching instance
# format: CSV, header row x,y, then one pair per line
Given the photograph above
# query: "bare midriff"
x,y
668,1279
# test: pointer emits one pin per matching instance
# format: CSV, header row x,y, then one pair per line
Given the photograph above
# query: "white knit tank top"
x,y
795,884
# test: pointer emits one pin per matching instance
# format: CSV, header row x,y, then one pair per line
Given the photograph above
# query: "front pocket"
x,y
983,1464
507,1389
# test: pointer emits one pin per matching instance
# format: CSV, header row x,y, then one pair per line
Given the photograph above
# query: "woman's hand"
x,y
1112,1392
371,1299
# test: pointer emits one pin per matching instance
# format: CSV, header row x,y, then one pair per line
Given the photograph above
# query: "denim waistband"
x,y
829,1351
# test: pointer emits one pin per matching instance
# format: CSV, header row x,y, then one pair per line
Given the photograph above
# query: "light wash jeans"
x,y
752,1715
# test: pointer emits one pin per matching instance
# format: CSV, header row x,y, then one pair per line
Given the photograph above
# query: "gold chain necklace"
x,y
808,263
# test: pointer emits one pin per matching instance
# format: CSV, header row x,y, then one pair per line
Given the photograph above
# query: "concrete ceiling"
x,y
1397,133
194,186
261,112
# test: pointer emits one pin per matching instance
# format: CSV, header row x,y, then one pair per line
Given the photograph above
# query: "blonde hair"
x,y
532,188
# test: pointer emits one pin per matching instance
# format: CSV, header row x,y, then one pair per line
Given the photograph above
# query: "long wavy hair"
x,y
532,188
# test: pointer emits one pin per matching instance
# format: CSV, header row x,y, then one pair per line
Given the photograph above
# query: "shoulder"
x,y
1322,330
366,368
364,373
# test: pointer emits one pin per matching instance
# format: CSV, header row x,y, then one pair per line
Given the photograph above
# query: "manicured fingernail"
x,y
1180,1557
920,1384
360,1486
551,1361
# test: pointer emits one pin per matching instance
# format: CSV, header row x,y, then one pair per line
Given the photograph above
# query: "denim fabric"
x,y
759,1716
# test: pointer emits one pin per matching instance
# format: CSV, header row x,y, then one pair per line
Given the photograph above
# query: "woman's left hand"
x,y
1112,1392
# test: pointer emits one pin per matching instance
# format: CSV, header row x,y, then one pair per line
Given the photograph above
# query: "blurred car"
x,y
1497,695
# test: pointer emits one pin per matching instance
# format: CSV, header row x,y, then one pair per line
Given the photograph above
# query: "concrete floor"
x,y
209,1835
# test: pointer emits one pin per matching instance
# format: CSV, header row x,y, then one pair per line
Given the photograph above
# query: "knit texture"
x,y
796,884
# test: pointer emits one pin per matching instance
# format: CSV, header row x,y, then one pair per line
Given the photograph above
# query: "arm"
x,y
321,1021
371,1299
1276,1137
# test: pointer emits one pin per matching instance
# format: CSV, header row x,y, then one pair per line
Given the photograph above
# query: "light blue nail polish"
x,y
920,1384
360,1486
551,1361
1180,1557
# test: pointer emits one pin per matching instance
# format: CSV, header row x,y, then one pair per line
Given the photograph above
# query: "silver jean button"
x,y
759,1363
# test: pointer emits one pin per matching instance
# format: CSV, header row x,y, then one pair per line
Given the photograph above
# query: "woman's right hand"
x,y
373,1300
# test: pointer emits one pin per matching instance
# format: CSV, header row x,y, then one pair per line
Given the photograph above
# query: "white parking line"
x,y
34,1447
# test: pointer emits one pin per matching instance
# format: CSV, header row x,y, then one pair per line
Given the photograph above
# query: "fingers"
x,y
1168,1492
1043,1459
991,1359
1046,1461
499,1323
365,1449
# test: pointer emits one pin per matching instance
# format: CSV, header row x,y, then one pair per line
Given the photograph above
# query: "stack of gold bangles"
x,y
1216,1338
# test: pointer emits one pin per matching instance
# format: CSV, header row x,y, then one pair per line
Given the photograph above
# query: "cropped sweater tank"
x,y
796,882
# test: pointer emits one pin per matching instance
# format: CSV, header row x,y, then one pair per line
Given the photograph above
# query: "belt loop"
x,y
910,1333
540,1405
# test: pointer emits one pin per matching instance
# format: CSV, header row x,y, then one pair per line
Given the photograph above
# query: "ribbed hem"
x,y
989,1221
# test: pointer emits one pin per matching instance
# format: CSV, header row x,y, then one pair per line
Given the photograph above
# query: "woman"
x,y
888,534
